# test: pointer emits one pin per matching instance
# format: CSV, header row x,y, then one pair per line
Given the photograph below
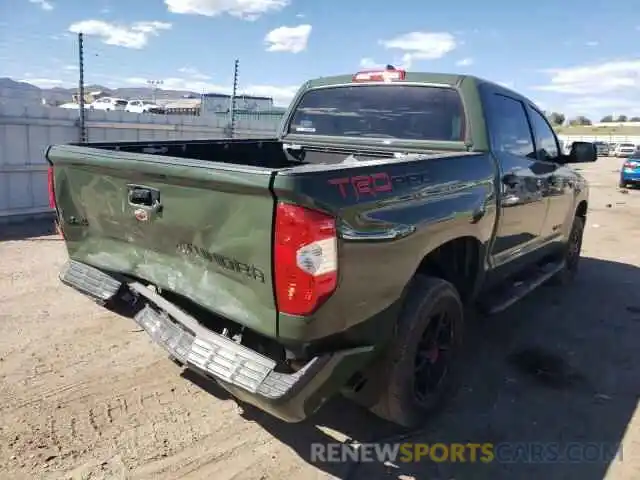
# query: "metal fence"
x,y
26,131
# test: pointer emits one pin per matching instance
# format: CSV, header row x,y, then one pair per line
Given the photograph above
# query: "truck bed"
x,y
266,153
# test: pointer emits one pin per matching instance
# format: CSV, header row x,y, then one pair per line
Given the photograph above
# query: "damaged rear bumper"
x,y
247,374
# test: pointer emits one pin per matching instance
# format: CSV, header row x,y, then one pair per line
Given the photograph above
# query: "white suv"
x,y
143,106
109,103
624,149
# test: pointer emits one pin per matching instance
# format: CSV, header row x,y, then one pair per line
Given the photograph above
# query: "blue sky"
x,y
575,58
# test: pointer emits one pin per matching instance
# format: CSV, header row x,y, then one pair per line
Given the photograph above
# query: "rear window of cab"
x,y
409,112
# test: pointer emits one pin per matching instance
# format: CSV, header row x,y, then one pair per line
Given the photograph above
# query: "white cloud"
x,y
44,4
245,9
596,89
43,82
281,95
595,79
369,63
288,39
194,73
592,44
421,46
604,105
465,62
61,36
135,35
71,67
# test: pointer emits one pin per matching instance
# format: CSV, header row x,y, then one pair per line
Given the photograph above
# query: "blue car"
x,y
630,173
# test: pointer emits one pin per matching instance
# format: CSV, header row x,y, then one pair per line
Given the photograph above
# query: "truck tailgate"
x,y
200,229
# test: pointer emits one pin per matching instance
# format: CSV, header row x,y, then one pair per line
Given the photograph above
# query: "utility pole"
x,y
83,129
233,97
154,84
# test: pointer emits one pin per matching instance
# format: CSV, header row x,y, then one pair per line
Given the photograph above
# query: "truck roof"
x,y
451,79
421,77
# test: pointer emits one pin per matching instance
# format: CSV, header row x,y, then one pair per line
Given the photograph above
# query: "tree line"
x,y
558,119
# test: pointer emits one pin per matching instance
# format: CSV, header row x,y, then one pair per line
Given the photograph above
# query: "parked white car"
x,y
72,106
109,103
624,150
143,106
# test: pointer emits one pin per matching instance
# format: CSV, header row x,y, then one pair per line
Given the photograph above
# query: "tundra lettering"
x,y
231,264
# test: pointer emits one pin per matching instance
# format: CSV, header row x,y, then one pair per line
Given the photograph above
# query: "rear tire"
x,y
571,254
429,330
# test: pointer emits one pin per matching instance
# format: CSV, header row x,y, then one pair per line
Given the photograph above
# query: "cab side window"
x,y
509,127
546,143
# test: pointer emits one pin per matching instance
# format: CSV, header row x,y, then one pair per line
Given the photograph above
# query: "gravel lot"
x,y
85,395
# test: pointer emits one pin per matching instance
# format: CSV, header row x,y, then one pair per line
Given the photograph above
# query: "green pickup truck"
x,y
338,257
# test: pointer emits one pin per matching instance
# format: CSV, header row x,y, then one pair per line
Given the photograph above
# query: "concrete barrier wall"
x,y
26,131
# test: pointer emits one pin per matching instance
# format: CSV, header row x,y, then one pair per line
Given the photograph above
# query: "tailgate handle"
x,y
145,197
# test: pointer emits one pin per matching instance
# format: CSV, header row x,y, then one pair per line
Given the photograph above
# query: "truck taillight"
x,y
52,194
305,258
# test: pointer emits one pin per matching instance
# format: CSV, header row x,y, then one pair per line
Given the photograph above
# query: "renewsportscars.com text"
x,y
511,452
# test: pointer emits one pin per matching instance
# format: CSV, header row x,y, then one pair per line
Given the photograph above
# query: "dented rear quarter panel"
x,y
425,201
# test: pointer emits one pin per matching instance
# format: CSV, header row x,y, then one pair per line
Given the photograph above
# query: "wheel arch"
x,y
458,260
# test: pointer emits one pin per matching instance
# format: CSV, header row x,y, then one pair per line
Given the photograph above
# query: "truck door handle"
x,y
144,197
510,179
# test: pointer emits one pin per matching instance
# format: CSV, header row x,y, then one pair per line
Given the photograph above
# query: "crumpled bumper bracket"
x,y
189,342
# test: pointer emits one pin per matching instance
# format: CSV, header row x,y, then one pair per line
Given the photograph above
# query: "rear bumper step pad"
x,y
90,281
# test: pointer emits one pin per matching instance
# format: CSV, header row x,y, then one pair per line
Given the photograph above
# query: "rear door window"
x,y
510,131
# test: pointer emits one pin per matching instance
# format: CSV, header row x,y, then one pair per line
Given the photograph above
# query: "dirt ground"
x,y
85,395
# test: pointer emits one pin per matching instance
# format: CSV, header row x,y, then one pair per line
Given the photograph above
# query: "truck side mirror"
x,y
582,152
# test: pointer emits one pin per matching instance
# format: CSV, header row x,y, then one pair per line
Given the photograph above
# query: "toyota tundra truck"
x,y
338,257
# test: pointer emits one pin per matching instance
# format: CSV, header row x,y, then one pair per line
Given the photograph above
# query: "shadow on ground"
x,y
559,367
29,230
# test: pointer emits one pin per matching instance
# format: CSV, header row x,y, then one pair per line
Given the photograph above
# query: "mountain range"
x,y
55,96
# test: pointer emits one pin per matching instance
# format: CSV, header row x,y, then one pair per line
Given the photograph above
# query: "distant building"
x,y
183,106
90,97
219,103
